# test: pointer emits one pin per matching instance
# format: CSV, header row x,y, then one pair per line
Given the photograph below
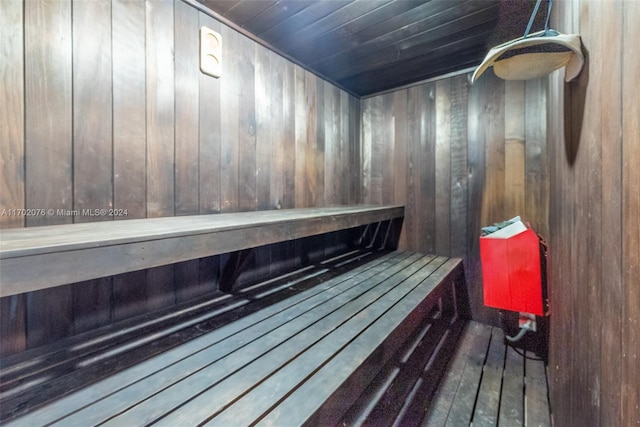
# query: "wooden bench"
x,y
322,345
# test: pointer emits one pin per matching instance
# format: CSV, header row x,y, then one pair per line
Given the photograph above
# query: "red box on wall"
x,y
511,271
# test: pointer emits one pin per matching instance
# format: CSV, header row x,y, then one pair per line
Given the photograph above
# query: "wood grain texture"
x,y
514,150
443,167
12,87
48,147
631,215
594,222
459,164
246,180
160,81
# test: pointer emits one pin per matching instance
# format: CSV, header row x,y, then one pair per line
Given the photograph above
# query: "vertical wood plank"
x,y
400,155
230,116
386,140
129,139
367,141
187,101
92,144
427,169
514,150
346,174
459,166
160,82
611,194
631,214
476,183
331,166
319,142
356,148
12,184
12,118
493,194
247,198
412,209
48,114
536,179
265,107
443,167
129,107
210,98
301,125
187,104
289,130
48,147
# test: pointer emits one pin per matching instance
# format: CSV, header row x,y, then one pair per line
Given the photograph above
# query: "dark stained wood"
x,y
595,379
12,120
129,108
160,82
92,144
443,167
536,403
210,133
427,169
111,248
489,394
48,123
514,150
411,222
400,153
230,92
459,168
246,181
266,109
630,219
611,255
12,309
512,397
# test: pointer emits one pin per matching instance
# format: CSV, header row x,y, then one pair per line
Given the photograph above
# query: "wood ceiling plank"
x,y
276,13
278,34
374,57
248,9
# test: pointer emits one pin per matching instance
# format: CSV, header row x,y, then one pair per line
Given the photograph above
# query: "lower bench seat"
x,y
310,358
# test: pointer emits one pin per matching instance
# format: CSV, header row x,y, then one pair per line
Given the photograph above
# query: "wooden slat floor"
x,y
488,383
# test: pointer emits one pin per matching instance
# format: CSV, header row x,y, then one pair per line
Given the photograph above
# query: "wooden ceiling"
x,y
369,46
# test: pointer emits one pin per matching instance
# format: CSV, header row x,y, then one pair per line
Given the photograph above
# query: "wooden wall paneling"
x,y
514,150
246,179
268,126
319,145
611,199
536,178
592,138
246,53
366,143
355,144
12,195
12,120
160,79
400,155
187,106
129,139
631,213
376,150
230,117
301,130
427,178
459,166
210,129
289,129
92,144
346,188
288,251
332,178
412,207
476,182
210,142
310,174
48,147
387,140
493,115
443,167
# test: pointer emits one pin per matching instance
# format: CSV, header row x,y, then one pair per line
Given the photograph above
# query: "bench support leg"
x,y
232,269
